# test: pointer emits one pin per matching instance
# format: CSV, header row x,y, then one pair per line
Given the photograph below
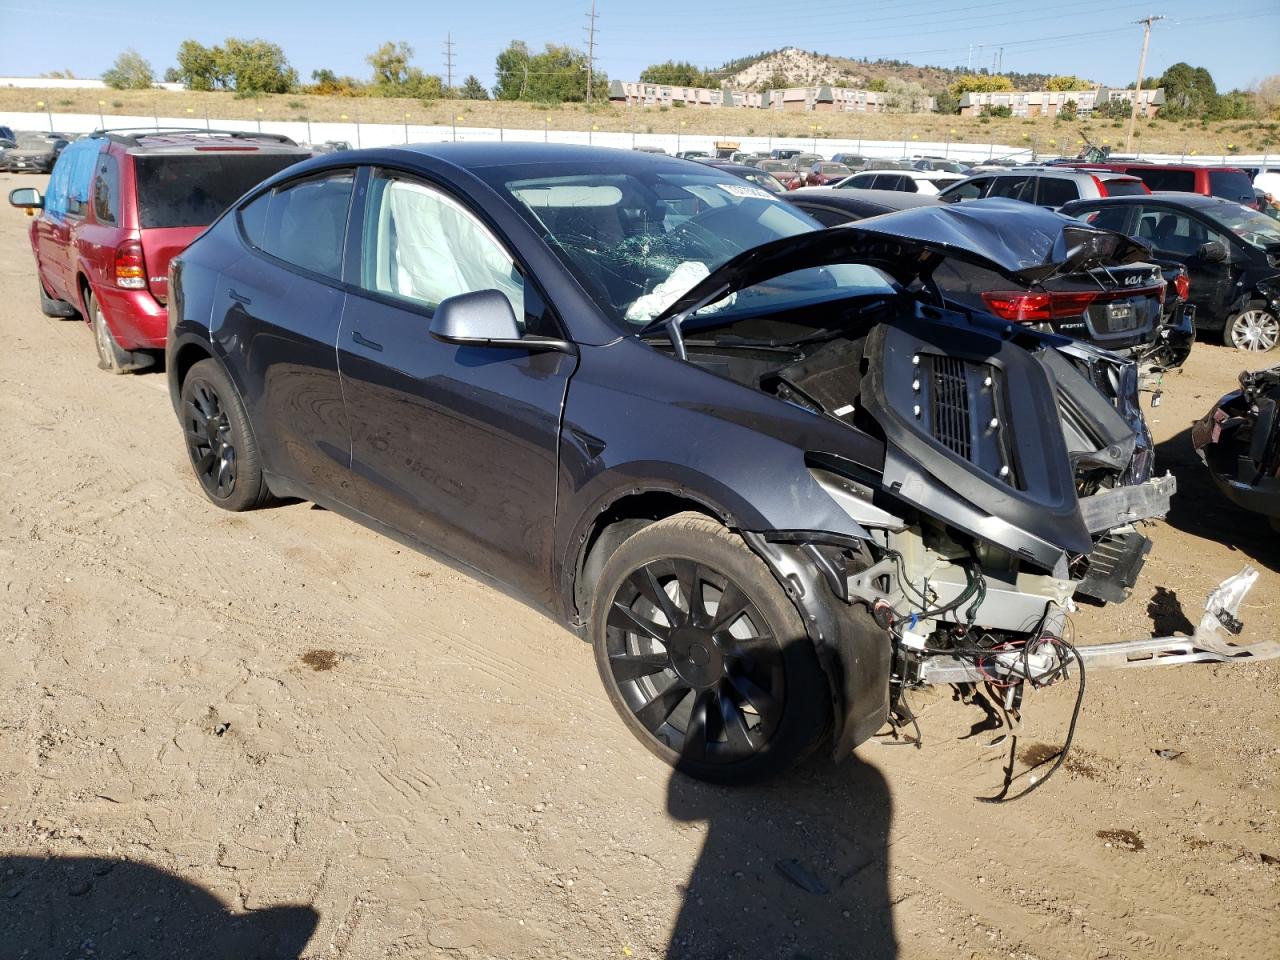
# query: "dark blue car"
x,y
765,469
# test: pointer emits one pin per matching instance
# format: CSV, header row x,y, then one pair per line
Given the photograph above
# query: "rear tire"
x,y
51,307
111,356
731,692
1255,329
220,440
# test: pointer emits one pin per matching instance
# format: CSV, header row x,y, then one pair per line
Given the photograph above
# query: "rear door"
x,y
178,194
1176,235
1053,192
278,311
453,446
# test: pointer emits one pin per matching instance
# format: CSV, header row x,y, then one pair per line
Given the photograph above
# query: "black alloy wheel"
x,y
704,656
209,440
695,661
219,439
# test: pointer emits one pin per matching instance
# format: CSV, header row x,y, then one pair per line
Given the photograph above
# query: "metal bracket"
x,y
1207,645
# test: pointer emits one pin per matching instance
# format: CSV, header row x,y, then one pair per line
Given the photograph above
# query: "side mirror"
x,y
26,198
1215,251
479,318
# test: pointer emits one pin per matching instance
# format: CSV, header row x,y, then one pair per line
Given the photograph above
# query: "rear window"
x,y
192,190
1123,188
1183,180
1231,185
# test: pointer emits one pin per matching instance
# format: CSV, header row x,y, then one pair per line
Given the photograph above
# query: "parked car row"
x,y
775,474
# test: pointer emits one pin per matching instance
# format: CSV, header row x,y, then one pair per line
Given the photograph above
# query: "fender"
x,y
853,649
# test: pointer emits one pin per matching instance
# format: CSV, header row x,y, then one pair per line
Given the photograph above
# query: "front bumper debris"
x,y
1208,644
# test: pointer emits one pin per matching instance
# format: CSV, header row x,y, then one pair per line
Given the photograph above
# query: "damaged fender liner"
x,y
853,650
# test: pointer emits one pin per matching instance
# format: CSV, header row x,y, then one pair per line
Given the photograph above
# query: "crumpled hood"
x,y
1024,243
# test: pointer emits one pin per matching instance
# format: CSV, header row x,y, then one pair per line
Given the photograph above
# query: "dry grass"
x,y
1049,137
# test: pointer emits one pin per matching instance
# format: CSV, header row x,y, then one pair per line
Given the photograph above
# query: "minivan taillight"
x,y
1182,284
131,271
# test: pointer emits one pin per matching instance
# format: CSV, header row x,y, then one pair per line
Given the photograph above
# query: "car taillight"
x,y
1022,307
131,271
1182,284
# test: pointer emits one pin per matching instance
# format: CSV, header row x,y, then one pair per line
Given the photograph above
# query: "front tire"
x,y
1255,329
220,440
704,656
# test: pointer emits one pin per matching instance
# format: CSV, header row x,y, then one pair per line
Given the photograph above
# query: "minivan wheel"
x,y
704,656
220,441
111,356
1254,329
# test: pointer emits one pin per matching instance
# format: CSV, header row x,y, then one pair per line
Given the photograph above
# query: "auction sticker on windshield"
x,y
745,190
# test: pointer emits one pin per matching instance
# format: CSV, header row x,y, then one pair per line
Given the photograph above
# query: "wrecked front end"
x,y
1239,442
1017,472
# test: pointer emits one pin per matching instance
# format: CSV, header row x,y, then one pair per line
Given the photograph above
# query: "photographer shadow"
x,y
57,907
795,869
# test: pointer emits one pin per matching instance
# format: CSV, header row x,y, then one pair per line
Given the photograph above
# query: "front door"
x,y
1175,235
453,446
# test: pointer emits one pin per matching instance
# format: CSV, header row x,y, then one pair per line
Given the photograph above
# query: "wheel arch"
x,y
615,519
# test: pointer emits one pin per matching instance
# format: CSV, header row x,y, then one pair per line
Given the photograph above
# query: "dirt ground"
x,y
278,734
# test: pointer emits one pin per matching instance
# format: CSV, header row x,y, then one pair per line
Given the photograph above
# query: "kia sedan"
x,y
761,467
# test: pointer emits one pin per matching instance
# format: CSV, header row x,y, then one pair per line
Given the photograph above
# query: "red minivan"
x,y
120,205
1230,183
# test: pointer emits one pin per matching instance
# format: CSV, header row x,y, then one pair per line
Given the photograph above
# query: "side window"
x,y
969,189
423,246
828,218
1172,232
1055,191
1184,180
304,222
1106,218
908,185
106,190
1010,187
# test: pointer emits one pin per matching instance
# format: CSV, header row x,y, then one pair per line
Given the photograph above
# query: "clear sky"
x,y
1238,42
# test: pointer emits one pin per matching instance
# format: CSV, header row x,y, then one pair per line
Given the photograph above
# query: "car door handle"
x,y
239,297
364,341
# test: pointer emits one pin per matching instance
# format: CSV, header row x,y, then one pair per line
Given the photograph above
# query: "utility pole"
x,y
591,49
448,62
1142,66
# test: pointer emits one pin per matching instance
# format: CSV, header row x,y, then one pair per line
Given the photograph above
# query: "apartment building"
x,y
817,99
1049,103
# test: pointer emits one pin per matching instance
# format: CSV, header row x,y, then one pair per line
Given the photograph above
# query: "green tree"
x,y
777,81
1068,111
199,67
1188,92
1236,105
395,76
129,72
1113,110
903,96
878,85
473,89
255,66
512,70
1067,82
1001,111
556,75
945,102
677,74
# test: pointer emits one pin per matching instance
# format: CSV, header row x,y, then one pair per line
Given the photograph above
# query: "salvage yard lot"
x,y
360,752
